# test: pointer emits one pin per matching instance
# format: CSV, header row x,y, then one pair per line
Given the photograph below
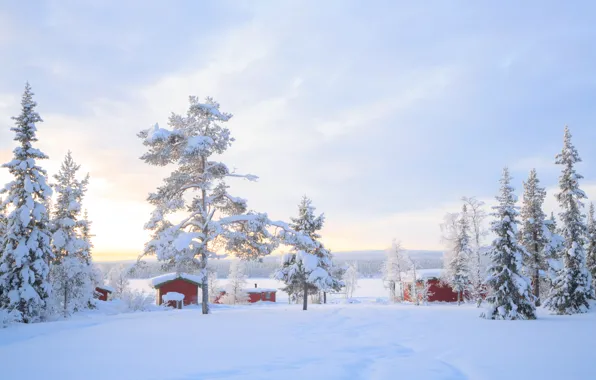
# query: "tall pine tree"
x,y
573,286
533,234
458,270
72,272
26,252
591,249
510,296
308,268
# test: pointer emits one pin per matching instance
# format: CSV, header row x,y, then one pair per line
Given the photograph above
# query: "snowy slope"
x,y
357,341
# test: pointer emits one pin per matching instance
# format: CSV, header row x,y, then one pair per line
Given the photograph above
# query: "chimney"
x,y
255,285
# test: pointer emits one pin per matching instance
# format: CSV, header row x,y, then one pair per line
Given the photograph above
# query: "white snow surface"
x,y
173,296
155,281
423,274
368,339
259,290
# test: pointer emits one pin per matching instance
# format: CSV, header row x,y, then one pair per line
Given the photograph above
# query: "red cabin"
x,y
437,290
102,292
182,283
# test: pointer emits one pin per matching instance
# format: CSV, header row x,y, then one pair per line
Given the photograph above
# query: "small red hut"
x,y
183,283
437,291
102,292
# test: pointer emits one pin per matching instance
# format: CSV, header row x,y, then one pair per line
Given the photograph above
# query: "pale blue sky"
x,y
384,112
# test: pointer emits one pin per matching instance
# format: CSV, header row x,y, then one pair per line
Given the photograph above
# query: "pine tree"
x,y
26,250
591,249
307,268
212,219
72,272
533,230
573,286
458,271
392,269
510,294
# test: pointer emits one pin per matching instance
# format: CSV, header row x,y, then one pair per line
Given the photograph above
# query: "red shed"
x,y
102,292
438,291
183,283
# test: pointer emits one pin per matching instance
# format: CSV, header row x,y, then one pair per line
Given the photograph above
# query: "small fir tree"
x,y
591,249
510,294
26,251
458,271
573,286
533,232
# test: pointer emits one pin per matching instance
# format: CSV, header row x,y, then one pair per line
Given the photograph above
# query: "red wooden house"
x,y
437,290
102,292
183,283
254,295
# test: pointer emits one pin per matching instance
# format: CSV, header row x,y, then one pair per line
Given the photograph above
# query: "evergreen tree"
x,y
510,294
26,250
533,230
212,219
308,267
573,286
3,222
72,272
591,249
458,271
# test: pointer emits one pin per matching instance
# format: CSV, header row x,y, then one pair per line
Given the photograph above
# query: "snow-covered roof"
x,y
260,290
172,296
423,274
105,287
160,280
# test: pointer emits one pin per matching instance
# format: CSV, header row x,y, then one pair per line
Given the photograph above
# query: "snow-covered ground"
x,y
366,340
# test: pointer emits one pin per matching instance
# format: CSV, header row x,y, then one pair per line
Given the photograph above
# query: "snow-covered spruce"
x,y
534,231
212,218
391,269
71,272
476,217
458,272
573,286
510,295
591,247
235,288
308,268
26,251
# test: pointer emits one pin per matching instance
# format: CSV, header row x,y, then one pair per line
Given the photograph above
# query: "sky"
x,y
385,113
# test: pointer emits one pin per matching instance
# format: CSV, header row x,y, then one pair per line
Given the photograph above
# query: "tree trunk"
x,y
325,297
65,301
204,287
392,291
458,297
205,297
537,286
305,298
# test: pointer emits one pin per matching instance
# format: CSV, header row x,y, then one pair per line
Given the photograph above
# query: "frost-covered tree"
x,y
458,272
510,294
71,272
591,248
3,222
308,266
350,279
573,286
413,274
118,279
392,269
26,251
211,219
476,216
533,232
236,286
213,282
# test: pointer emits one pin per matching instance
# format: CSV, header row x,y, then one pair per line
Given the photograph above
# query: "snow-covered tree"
x,y
118,279
307,267
510,294
457,270
211,219
212,281
236,286
476,216
350,279
71,272
3,222
553,252
573,286
533,232
413,274
591,248
26,251
392,269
